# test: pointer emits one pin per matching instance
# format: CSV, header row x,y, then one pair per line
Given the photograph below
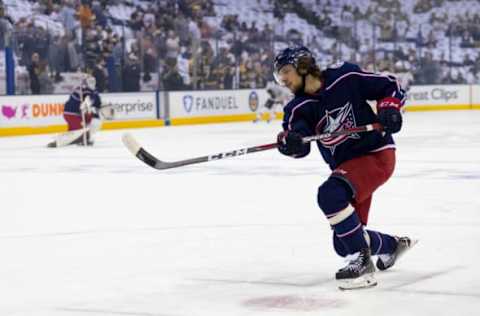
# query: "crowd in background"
x,y
174,43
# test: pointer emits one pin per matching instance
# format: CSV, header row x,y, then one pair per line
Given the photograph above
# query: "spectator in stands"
x,y
229,77
149,16
136,20
40,42
46,83
173,44
98,10
73,62
92,47
431,41
403,74
422,6
34,70
6,25
467,60
149,64
183,67
117,60
66,16
454,76
260,79
443,61
209,79
435,20
57,53
171,78
467,40
131,74
168,28
85,15
429,70
99,72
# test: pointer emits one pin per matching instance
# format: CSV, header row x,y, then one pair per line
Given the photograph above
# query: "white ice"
x,y
94,231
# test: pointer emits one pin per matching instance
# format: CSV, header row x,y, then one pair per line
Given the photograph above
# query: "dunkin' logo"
x,y
9,111
46,110
37,110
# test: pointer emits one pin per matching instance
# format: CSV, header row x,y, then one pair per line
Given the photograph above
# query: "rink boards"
x,y
24,115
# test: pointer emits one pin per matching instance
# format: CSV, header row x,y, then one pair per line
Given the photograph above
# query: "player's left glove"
x,y
389,114
290,143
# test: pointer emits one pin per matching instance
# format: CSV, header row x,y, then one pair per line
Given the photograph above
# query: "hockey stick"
x,y
82,113
138,151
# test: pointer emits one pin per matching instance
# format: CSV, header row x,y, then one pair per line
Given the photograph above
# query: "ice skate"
x,y
386,261
358,273
88,143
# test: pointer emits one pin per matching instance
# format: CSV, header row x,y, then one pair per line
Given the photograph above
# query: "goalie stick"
x,y
138,151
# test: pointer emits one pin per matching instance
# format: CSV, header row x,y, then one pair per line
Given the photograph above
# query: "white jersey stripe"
x,y
364,75
295,108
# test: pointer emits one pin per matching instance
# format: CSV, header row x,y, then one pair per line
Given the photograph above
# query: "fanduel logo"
x,y
188,103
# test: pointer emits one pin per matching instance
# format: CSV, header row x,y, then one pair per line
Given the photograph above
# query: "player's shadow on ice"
x,y
311,282
269,171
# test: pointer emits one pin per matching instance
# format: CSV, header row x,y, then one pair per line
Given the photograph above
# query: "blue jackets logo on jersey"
x,y
336,120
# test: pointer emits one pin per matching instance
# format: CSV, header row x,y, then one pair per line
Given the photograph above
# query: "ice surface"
x,y
94,231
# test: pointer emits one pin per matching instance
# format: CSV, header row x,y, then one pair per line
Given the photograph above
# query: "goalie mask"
x,y
89,82
299,57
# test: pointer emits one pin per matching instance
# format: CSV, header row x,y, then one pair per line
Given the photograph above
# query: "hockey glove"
x,y
389,115
86,105
290,143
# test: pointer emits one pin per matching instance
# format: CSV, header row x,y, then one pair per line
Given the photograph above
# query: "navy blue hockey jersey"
x,y
72,106
341,103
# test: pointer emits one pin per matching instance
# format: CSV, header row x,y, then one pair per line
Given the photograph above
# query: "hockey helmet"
x,y
89,81
300,57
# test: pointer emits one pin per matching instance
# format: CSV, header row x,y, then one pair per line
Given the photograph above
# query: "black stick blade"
x,y
136,149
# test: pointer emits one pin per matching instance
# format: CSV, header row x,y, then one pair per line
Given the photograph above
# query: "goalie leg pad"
x,y
107,112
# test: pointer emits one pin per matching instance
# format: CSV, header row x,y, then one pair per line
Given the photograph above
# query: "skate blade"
x,y
413,242
363,282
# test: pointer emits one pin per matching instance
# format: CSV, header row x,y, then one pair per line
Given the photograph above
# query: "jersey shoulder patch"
x,y
336,65
332,74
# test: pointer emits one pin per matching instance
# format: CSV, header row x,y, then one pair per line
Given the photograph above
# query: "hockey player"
x,y
81,112
277,96
331,100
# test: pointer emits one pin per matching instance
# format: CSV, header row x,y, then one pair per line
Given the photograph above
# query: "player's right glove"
x,y
290,143
389,115
86,105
